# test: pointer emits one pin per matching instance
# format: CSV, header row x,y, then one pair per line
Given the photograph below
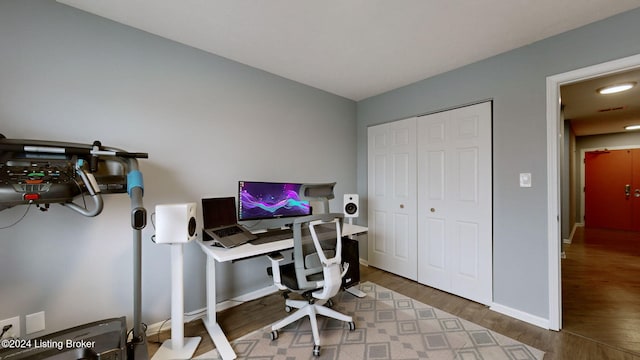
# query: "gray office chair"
x,y
316,272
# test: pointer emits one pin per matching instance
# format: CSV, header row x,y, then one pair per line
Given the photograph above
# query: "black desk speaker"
x,y
351,255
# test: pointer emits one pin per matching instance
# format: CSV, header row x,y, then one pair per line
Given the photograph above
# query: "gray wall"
x,y
516,82
206,123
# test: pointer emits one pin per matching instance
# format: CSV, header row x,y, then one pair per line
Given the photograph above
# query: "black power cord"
x,y
17,221
5,329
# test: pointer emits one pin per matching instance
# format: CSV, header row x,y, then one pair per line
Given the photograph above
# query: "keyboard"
x,y
284,234
273,235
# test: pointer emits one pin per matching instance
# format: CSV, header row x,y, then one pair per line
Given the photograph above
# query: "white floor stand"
x,y
178,347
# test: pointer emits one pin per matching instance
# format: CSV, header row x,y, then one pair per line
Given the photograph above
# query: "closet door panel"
x,y
467,175
454,193
467,237
378,226
433,190
392,197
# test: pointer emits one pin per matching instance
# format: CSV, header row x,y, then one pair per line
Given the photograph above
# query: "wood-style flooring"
x,y
259,313
601,287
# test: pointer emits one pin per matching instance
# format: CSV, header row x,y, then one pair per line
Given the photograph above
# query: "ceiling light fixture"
x,y
632,127
612,89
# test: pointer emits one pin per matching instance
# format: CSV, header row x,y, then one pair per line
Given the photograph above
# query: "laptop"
x,y
221,224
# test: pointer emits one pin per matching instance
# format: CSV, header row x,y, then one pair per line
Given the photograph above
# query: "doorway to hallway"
x,y
555,138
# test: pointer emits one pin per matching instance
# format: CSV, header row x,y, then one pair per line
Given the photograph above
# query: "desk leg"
x,y
355,290
214,329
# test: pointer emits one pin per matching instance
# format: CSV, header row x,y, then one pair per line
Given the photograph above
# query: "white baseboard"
x,y
521,315
155,328
573,233
246,297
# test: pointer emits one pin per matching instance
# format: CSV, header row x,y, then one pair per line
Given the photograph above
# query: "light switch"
x,y
525,179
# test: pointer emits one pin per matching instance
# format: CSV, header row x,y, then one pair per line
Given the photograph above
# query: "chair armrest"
x,y
276,258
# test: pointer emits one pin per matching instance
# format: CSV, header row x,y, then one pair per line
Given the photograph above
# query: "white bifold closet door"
x,y
455,247
392,197
430,191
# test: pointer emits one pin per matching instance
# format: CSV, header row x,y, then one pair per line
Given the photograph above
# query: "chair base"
x,y
306,308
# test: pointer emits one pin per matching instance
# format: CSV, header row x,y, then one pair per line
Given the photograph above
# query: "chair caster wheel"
x,y
287,309
329,303
316,350
352,326
274,335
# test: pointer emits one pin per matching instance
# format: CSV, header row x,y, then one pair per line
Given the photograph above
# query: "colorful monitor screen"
x,y
269,200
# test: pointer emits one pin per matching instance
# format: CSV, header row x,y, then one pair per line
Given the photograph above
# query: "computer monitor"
x,y
270,200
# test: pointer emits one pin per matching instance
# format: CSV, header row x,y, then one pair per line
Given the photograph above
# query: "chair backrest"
x,y
318,193
317,249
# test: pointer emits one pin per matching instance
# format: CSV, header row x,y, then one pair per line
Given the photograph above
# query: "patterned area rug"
x,y
388,326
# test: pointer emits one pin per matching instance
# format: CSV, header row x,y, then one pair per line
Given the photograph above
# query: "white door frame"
x,y
555,133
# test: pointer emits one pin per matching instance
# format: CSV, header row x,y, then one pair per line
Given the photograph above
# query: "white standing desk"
x,y
219,254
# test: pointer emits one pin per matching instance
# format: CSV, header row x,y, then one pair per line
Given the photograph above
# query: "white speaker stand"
x,y
178,347
354,290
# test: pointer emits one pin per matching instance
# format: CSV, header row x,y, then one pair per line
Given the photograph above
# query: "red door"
x,y
612,189
635,191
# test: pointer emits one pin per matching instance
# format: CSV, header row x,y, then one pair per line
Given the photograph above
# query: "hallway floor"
x,y
601,287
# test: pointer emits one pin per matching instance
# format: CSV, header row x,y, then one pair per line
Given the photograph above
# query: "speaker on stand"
x,y
351,207
350,252
176,225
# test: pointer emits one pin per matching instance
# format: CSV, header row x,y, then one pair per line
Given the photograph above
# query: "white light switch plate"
x,y
525,179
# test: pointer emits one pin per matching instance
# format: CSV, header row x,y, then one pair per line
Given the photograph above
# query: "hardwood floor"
x,y
256,314
601,287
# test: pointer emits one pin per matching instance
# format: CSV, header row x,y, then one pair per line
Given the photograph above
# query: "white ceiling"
x,y
355,48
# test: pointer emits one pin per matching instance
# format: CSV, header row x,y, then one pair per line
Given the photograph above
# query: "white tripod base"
x,y
178,347
186,351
